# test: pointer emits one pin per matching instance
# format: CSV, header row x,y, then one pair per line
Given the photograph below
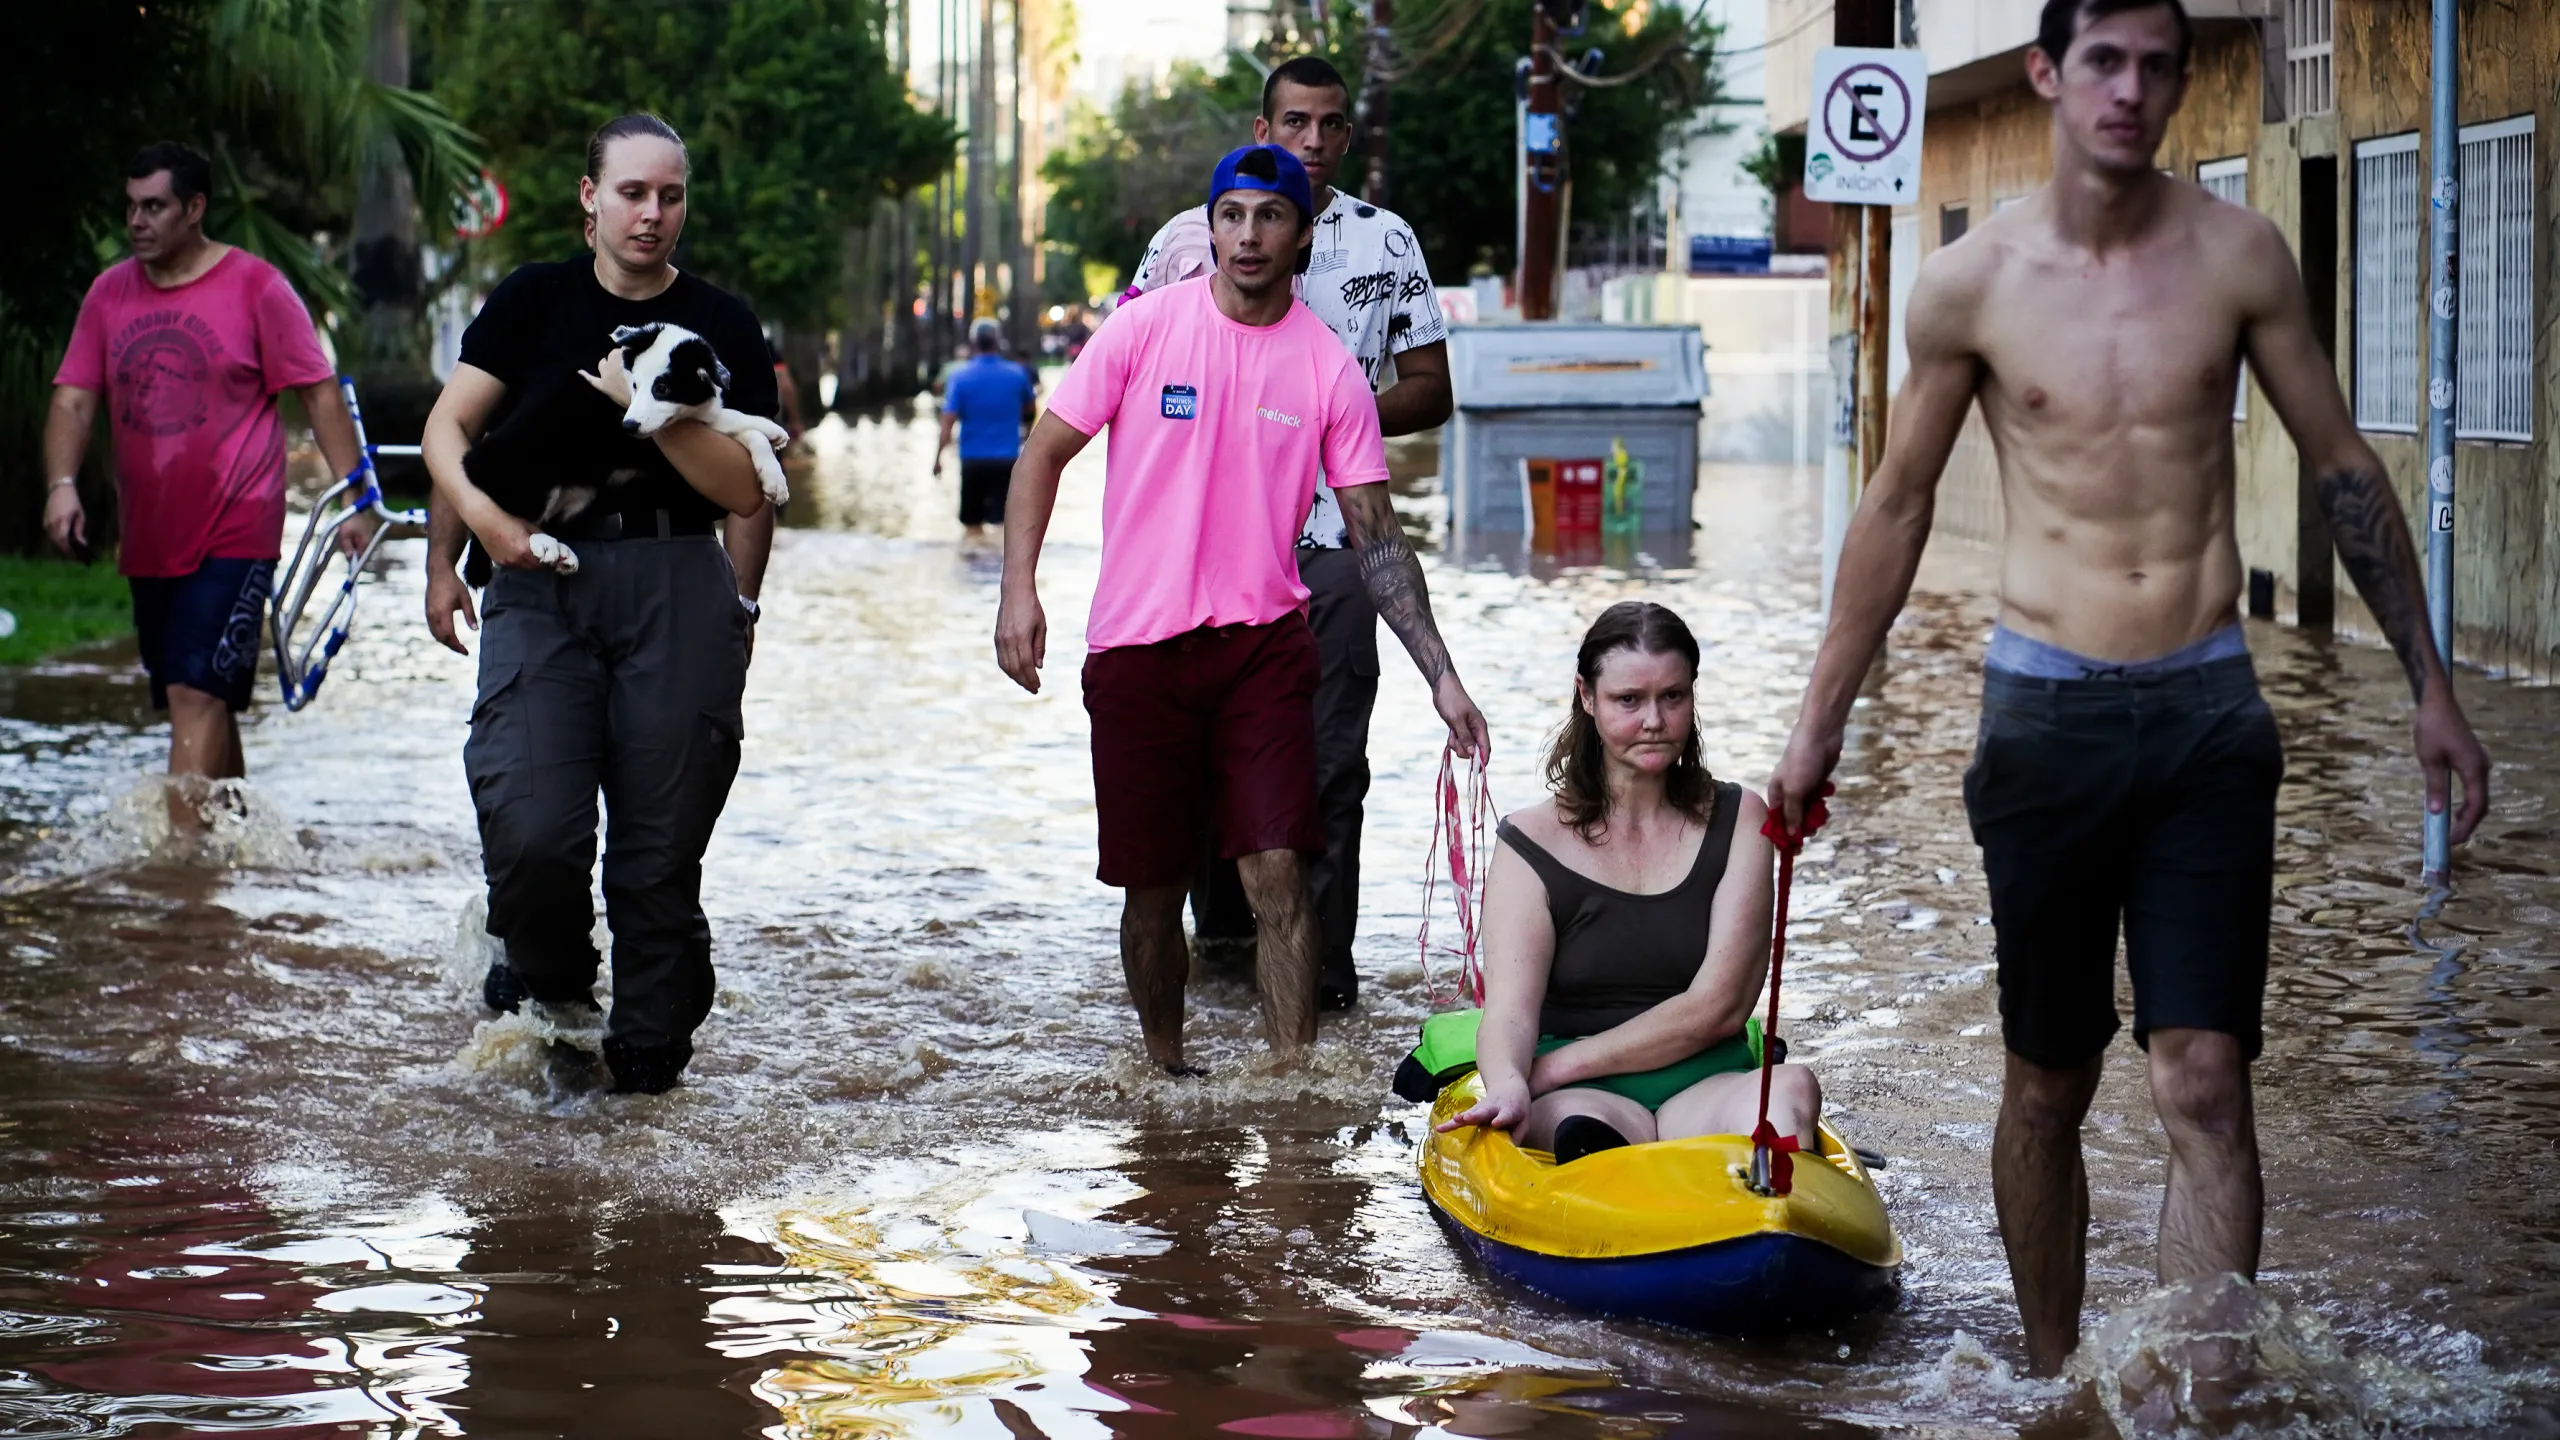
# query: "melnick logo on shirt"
x,y
1267,413
1181,402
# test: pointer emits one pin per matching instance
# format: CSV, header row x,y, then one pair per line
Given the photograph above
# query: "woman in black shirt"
x,y
626,675
1626,929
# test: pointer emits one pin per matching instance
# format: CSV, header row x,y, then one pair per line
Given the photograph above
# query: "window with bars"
x,y
2496,374
2309,30
2390,239
2228,180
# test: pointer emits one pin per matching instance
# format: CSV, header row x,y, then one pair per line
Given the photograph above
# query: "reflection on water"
x,y
268,1167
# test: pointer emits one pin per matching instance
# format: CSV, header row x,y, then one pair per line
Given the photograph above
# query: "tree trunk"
x,y
390,288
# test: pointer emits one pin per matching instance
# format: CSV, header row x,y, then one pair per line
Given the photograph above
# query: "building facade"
x,y
2315,114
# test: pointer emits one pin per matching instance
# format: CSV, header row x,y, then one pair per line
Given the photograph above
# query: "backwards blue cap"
x,y
1265,167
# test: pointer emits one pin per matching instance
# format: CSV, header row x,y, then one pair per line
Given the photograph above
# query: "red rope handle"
x,y
1772,1172
1469,860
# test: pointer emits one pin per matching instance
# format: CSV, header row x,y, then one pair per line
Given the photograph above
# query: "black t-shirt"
x,y
548,321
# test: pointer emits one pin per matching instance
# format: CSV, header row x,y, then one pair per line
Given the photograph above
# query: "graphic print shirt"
x,y
1365,280
190,376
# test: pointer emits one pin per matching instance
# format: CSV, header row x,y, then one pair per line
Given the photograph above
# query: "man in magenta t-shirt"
x,y
190,342
1225,397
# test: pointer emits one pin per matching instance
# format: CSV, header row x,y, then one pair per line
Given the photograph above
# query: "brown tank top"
x,y
1620,954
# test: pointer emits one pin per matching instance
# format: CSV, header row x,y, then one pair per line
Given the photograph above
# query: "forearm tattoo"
x,y
2373,541
1393,575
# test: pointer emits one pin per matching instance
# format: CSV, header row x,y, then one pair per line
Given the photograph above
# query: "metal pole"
x,y
2444,312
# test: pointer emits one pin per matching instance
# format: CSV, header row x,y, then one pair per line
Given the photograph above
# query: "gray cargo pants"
x,y
625,678
1346,630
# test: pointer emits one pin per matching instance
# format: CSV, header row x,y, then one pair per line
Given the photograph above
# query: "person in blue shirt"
x,y
989,399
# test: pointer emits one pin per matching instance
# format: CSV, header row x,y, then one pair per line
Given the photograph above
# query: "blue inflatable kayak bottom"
x,y
1747,1284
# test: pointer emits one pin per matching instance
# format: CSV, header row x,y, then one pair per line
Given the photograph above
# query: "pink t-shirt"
x,y
190,376
1218,429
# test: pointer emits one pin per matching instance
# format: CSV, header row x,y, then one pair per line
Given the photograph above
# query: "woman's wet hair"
x,y
1577,763
624,127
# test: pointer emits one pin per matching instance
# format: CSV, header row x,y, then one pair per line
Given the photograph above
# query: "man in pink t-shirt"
x,y
190,342
1225,397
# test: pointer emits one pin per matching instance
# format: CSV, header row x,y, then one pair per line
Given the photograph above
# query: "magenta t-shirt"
x,y
190,375
1218,429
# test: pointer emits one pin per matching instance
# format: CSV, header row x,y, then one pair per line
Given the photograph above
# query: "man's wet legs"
x,y
2212,1216
204,746
1275,881
1155,961
2041,1191
1346,630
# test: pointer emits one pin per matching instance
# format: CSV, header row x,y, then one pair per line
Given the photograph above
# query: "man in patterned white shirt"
x,y
1365,278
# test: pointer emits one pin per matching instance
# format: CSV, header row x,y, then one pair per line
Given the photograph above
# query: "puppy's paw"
x,y
551,552
780,437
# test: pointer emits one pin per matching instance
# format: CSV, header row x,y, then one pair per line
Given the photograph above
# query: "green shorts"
x,y
1448,1052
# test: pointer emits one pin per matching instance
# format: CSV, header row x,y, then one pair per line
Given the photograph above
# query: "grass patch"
x,y
60,606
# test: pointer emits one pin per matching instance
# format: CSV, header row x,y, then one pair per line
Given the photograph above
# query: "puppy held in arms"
x,y
543,461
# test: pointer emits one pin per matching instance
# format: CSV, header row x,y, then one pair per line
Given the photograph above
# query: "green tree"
x,y
1451,128
794,117
1122,174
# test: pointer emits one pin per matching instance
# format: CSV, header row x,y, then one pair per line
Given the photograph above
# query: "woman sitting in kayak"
x,y
1626,923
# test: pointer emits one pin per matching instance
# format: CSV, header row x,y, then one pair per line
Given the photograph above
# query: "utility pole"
x,y
1373,96
902,240
1024,307
1542,201
980,189
2444,324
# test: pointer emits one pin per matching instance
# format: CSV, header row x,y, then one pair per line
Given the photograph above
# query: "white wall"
x,y
1714,196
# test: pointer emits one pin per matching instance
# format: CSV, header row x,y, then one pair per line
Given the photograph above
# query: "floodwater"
x,y
268,1167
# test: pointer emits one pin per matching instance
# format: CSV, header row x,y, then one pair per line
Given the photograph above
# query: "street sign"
x,y
479,207
1862,146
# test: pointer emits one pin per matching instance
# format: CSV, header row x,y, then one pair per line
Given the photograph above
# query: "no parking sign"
x,y
1862,142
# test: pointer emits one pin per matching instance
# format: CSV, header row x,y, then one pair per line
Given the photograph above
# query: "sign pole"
x,y
2444,312
1862,135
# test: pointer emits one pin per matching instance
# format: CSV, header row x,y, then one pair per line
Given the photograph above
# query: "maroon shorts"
x,y
1214,724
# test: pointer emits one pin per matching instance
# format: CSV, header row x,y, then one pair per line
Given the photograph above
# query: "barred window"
x,y
2228,180
2496,376
2309,31
2390,241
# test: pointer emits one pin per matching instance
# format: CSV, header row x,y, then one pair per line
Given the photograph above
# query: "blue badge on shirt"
x,y
1181,402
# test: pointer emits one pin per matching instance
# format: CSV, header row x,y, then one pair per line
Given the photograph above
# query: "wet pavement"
x,y
268,1167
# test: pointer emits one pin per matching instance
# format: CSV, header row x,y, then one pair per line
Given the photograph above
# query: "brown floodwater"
x,y
265,1164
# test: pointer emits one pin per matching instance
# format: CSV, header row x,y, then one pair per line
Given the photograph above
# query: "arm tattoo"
x,y
1393,574
2373,541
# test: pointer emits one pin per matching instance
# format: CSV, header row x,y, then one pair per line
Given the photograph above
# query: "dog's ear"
x,y
719,376
634,339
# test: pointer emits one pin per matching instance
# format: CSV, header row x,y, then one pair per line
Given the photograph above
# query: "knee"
x,y
2045,1101
2198,1086
1152,905
1274,880
1794,1087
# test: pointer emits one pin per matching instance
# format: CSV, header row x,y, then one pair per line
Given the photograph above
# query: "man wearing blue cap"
x,y
1226,399
1364,278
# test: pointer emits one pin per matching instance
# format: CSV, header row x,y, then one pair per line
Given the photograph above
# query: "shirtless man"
x,y
2127,767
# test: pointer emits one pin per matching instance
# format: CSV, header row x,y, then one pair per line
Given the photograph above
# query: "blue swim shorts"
x,y
201,630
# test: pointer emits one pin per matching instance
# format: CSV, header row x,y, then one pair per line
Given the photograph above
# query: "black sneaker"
x,y
645,1069
1580,1135
502,989
1337,985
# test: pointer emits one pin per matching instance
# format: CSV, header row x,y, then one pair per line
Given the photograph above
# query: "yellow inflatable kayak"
x,y
1668,1232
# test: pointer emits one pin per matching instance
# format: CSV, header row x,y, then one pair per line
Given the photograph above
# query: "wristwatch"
x,y
754,611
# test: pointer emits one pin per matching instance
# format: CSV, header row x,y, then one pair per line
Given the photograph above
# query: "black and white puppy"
x,y
675,375
542,463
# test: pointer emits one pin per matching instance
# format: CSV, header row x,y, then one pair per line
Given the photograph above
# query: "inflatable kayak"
x,y
1669,1232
